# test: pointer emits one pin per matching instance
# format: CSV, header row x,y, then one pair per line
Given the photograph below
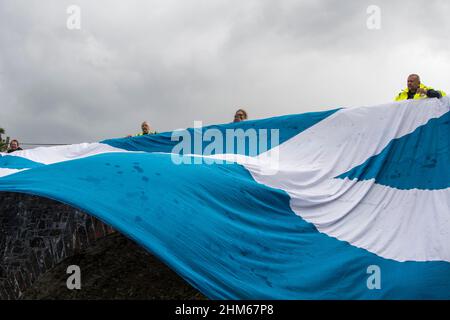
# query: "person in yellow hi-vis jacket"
x,y
145,130
417,90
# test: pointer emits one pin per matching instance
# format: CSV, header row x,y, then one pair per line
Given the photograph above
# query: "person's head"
x,y
240,115
145,127
413,82
14,145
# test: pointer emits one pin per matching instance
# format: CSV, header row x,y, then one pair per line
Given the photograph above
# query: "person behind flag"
x,y
14,146
145,130
240,115
417,90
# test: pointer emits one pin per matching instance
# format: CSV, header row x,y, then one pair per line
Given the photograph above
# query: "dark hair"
x,y
15,141
243,111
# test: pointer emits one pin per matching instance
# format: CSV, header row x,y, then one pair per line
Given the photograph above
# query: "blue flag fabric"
x,y
356,204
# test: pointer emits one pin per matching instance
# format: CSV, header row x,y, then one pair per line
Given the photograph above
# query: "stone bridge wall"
x,y
36,234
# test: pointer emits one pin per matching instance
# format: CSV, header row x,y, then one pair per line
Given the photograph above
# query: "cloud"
x,y
173,62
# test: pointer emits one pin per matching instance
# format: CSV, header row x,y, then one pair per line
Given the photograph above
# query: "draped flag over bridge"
x,y
333,199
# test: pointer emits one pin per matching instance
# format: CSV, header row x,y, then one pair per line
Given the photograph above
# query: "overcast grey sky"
x,y
173,62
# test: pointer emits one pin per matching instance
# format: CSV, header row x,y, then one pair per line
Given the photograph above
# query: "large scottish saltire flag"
x,y
340,197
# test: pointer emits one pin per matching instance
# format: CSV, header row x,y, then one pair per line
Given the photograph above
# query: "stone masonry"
x,y
36,234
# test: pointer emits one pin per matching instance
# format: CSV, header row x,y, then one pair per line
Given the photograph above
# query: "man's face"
x,y
239,116
145,128
413,83
13,145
